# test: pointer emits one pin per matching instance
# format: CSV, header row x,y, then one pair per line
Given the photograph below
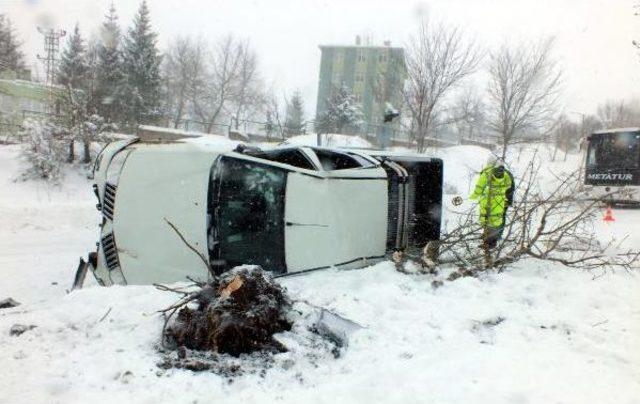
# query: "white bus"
x,y
612,165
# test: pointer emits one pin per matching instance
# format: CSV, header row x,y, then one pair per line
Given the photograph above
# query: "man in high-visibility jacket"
x,y
494,193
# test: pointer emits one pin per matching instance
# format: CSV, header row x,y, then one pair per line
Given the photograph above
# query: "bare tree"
x,y
553,224
566,136
524,87
231,86
616,114
469,115
275,112
210,100
438,58
184,70
589,124
248,95
635,43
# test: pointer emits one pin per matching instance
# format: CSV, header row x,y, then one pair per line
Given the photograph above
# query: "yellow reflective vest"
x,y
493,195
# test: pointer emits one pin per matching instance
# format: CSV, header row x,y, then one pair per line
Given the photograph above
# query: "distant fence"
x,y
472,142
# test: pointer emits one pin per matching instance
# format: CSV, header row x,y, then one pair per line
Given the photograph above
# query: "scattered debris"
x,y
563,328
406,355
485,329
460,273
124,377
429,257
335,327
8,303
19,329
488,323
19,355
221,364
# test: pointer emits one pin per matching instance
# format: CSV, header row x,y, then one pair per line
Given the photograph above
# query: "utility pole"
x,y
49,59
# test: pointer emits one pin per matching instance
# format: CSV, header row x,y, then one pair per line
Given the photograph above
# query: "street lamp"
x,y
390,113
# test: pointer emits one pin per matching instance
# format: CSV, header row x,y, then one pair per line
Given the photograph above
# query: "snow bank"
x,y
526,334
329,140
44,228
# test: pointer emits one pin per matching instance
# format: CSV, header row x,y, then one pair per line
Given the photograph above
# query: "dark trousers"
x,y
492,235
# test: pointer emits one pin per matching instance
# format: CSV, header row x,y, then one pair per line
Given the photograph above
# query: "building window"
x,y
382,58
358,97
359,78
361,57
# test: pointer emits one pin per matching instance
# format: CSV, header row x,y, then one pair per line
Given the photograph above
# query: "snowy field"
x,y
537,333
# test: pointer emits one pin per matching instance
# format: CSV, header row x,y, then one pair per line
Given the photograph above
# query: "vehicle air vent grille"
x,y
110,251
109,200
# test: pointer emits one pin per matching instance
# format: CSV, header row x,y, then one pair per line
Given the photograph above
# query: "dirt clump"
x,y
236,313
19,329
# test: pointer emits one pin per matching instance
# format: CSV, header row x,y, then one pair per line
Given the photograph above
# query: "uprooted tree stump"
x,y
236,313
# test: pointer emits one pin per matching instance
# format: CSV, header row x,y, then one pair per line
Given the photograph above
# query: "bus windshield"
x,y
248,219
614,150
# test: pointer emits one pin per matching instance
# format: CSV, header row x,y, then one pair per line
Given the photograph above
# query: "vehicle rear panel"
x,y
415,201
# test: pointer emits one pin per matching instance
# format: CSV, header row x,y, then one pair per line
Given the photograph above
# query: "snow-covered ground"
x,y
537,333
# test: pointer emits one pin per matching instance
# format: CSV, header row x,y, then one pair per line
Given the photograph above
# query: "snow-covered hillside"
x,y
537,333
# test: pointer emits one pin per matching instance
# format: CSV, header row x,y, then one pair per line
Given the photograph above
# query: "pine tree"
x,y
141,62
73,73
295,115
109,70
11,57
343,114
73,69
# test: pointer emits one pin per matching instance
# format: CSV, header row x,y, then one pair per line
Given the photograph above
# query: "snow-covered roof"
x,y
168,131
148,133
362,46
329,140
25,89
616,130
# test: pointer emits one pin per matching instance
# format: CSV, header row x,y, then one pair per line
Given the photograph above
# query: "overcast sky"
x,y
593,36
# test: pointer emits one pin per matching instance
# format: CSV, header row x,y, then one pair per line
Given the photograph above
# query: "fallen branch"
x,y
554,226
105,315
192,248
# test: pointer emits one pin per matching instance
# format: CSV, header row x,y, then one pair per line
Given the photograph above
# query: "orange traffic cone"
x,y
608,215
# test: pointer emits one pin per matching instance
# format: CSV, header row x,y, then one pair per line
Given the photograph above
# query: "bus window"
x,y
614,150
591,157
